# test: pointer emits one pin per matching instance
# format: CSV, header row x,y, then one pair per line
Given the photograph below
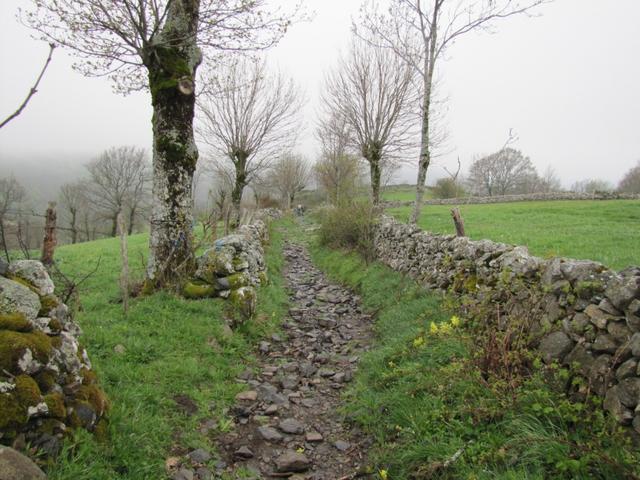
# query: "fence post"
x,y
458,222
49,242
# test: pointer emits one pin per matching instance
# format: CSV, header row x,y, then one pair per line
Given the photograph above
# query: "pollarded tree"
x,y
117,183
420,32
289,175
158,45
500,173
370,92
630,183
250,118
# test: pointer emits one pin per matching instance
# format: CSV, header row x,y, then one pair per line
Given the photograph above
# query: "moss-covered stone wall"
x,y
578,313
47,387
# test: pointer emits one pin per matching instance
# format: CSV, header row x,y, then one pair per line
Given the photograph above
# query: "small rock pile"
x,y
47,387
582,313
232,268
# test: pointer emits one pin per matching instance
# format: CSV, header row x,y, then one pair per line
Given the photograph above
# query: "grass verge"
x,y
433,415
176,351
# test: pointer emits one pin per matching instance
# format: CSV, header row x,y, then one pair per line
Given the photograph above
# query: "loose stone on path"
x,y
288,420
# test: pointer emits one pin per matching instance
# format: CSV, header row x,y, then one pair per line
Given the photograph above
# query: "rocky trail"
x,y
287,421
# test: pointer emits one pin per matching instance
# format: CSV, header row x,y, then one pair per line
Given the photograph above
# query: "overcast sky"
x,y
567,81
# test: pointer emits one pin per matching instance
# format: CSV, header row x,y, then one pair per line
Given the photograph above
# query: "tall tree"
x,y
73,198
289,175
630,183
420,32
370,91
500,173
158,45
251,117
117,180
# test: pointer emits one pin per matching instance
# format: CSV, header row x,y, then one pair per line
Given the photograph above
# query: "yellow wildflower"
x,y
383,474
300,450
445,328
417,342
455,321
433,328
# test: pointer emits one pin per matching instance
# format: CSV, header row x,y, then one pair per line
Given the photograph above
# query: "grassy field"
x,y
402,193
605,231
175,349
420,395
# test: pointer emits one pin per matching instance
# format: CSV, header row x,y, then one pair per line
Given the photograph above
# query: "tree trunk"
x,y
74,226
374,164
114,224
172,62
132,220
240,161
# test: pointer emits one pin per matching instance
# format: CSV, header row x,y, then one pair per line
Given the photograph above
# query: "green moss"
x,y
196,290
587,289
55,325
56,342
16,322
238,280
264,278
88,377
23,282
101,431
14,414
173,67
55,402
27,391
244,301
45,379
14,344
48,303
93,395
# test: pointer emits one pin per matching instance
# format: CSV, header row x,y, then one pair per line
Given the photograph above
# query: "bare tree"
x,y
339,176
370,91
591,186
289,175
11,194
500,173
117,181
252,117
420,32
158,45
73,197
630,183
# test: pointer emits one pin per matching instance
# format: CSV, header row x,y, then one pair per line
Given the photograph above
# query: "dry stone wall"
x,y
47,386
580,313
529,197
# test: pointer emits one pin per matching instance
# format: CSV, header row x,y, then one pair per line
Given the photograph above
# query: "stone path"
x,y
288,422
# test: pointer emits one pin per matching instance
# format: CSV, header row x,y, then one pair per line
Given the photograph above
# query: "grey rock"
x,y
289,382
628,391
599,373
619,331
615,407
627,369
292,462
636,423
16,466
555,346
243,452
623,290
579,323
269,433
341,445
183,474
291,425
15,297
605,343
204,474
199,456
269,394
634,344
598,317
34,273
580,270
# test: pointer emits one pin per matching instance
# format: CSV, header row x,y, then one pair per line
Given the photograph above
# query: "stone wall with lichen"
x,y
234,266
47,386
579,313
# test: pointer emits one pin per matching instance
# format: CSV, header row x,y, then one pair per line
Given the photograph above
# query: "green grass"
x,y
420,397
605,231
402,193
173,347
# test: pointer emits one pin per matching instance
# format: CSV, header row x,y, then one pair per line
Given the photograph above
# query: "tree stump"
x,y
49,242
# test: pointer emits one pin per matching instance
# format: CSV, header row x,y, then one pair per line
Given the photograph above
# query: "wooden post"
x,y
124,256
49,242
458,222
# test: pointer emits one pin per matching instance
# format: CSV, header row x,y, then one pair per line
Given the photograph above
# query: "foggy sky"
x,y
567,81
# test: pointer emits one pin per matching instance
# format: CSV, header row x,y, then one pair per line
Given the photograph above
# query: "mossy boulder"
x,y
16,466
34,274
20,403
48,303
19,350
196,290
16,322
16,297
244,300
215,262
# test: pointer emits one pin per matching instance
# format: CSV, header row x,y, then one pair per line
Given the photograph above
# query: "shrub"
x,y
447,188
350,226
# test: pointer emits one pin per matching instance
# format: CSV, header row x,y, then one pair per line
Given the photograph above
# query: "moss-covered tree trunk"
x,y
172,60
240,162
376,174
